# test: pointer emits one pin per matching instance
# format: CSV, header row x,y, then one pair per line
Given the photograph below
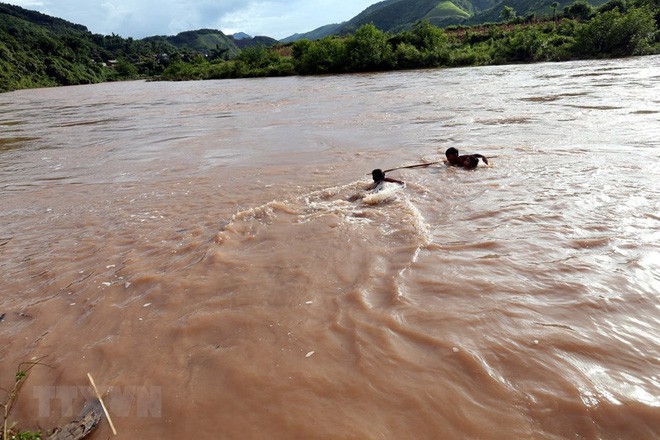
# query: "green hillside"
x,y
398,15
315,34
37,50
254,41
446,13
212,41
523,8
203,41
394,16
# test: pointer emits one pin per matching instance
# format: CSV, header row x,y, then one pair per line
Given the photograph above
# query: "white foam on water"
x,y
388,208
383,192
419,223
340,201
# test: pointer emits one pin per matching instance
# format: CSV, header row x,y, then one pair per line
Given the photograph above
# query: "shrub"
x,y
521,45
579,10
476,55
368,50
618,34
407,56
327,55
182,71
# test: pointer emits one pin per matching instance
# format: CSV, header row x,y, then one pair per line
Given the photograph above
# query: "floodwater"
x,y
209,252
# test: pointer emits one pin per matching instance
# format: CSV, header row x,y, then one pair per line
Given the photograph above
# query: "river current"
x,y
210,253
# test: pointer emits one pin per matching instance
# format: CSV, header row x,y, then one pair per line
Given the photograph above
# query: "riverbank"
x,y
616,29
608,33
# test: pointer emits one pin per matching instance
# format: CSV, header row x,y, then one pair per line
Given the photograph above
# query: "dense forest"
x,y
37,50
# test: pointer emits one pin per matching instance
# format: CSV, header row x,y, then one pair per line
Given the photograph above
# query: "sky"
x,y
142,18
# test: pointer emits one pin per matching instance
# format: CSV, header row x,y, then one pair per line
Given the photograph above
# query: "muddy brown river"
x,y
210,253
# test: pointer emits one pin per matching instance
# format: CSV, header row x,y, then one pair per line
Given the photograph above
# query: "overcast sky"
x,y
142,18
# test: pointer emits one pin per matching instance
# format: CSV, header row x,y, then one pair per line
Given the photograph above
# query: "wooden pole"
x,y
412,166
105,410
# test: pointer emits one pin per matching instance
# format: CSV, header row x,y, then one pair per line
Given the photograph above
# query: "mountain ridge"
x,y
399,15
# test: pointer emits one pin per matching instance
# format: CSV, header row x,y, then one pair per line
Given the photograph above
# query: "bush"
x,y
522,45
126,70
618,34
369,50
257,57
407,56
611,5
182,71
222,70
327,55
579,10
477,55
425,37
557,48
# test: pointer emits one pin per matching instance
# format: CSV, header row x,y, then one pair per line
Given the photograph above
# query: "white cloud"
x,y
141,18
28,4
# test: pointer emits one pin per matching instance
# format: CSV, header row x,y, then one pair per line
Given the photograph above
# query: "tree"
x,y
508,13
428,37
423,46
613,32
368,49
611,5
219,52
408,56
521,45
126,70
256,57
554,5
580,9
327,55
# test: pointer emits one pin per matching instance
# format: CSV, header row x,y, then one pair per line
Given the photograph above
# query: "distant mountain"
x,y
240,36
254,41
398,15
316,34
212,40
202,40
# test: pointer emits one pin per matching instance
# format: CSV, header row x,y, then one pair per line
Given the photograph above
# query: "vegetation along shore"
x,y
37,50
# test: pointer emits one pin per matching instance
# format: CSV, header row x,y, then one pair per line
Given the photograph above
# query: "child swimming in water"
x,y
465,161
379,178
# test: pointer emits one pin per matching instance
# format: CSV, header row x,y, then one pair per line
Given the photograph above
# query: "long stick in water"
x,y
105,410
423,165
412,166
